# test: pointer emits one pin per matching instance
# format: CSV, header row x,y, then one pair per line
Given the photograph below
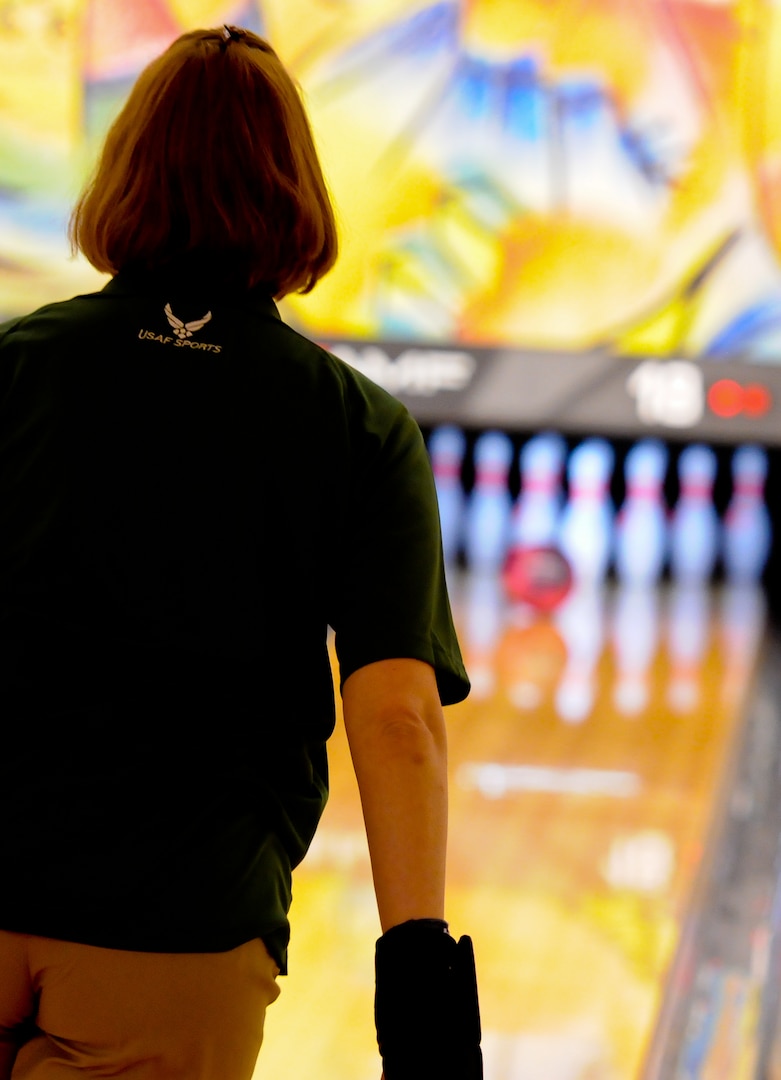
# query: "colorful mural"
x,y
590,173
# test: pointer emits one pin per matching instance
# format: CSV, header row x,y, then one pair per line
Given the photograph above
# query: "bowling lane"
x,y
586,778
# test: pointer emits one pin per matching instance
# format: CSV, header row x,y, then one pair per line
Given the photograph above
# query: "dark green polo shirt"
x,y
190,494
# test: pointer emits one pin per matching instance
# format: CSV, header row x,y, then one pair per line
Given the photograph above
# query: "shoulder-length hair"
x,y
212,152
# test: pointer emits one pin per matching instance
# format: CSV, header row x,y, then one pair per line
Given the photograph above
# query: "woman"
x,y
190,494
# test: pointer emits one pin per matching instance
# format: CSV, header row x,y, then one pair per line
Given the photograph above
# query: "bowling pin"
x,y
446,449
483,622
585,529
536,513
747,530
487,523
688,637
635,634
695,526
580,620
742,616
641,525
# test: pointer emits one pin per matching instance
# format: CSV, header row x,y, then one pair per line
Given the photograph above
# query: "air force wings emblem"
x,y
183,329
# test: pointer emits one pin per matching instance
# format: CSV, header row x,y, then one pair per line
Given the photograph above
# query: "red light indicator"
x,y
727,398
757,400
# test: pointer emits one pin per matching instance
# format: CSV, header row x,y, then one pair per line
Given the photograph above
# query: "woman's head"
x,y
212,153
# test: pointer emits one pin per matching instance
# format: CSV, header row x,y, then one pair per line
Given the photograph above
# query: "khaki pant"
x,y
145,1016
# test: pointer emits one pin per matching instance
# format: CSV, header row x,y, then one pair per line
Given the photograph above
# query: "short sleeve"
x,y
390,596
7,366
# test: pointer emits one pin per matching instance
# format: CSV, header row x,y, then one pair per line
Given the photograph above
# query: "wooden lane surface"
x,y
574,856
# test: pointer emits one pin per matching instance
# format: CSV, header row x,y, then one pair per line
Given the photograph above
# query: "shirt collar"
x,y
192,277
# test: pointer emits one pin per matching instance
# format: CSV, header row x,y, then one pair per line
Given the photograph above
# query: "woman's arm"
x,y
396,733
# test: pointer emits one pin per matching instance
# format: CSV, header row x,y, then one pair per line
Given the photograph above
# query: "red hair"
x,y
212,153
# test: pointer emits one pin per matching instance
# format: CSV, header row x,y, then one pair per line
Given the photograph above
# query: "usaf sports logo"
x,y
183,333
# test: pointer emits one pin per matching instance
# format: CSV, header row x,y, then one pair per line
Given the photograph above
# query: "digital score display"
x,y
619,396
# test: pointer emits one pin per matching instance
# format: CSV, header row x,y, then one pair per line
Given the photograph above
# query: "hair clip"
x,y
232,33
